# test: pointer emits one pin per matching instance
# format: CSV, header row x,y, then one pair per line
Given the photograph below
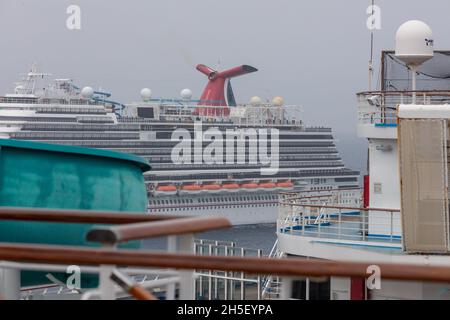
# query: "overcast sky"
x,y
313,53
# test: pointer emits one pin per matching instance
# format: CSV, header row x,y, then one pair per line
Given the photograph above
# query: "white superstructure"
x,y
405,214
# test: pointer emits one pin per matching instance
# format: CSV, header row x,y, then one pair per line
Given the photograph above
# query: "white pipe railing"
x,y
337,215
380,107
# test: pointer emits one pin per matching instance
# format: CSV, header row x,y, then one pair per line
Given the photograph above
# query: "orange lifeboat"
x,y
230,187
166,190
213,187
267,185
285,185
251,186
191,189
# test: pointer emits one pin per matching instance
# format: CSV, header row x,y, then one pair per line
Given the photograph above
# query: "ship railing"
x,y
379,108
126,227
270,283
341,223
180,265
226,285
263,115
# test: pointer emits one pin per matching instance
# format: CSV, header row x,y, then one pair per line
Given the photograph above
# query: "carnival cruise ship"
x,y
210,156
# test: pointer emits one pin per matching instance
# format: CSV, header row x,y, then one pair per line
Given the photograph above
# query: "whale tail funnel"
x,y
218,91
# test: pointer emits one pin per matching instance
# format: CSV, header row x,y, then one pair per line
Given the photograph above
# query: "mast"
x,y
371,51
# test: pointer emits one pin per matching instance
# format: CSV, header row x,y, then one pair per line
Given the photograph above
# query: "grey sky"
x,y
313,53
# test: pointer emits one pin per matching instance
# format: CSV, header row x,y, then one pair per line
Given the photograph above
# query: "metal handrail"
x,y
396,93
78,216
286,267
318,191
135,231
338,207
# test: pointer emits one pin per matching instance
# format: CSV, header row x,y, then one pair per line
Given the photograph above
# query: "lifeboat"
x,y
286,185
166,190
267,185
230,187
213,187
250,186
190,189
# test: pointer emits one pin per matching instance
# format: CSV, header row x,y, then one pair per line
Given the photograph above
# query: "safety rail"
x,y
142,230
179,264
380,107
341,222
291,267
77,216
132,226
225,285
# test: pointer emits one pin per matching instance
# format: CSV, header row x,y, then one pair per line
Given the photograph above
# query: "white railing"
x,y
337,214
271,284
380,107
216,284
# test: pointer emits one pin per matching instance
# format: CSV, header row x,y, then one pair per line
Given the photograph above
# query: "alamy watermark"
x,y
374,20
73,21
373,281
229,147
73,282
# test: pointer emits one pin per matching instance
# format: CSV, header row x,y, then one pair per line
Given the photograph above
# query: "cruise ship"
x,y
210,156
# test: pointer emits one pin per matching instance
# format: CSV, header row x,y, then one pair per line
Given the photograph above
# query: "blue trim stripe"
x,y
384,236
389,125
358,245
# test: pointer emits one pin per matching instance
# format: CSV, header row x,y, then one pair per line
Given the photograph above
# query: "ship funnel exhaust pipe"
x,y
215,93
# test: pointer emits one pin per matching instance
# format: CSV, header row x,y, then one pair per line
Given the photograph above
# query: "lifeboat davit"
x,y
166,190
191,189
250,186
286,185
213,187
230,187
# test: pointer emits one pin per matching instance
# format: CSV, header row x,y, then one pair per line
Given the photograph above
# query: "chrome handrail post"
x,y
392,225
339,223
10,283
186,245
171,247
106,285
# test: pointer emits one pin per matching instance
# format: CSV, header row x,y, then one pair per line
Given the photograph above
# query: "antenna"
x,y
371,51
414,45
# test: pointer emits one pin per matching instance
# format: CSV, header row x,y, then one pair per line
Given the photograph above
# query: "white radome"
x,y
186,94
87,92
278,101
146,94
414,42
19,89
255,101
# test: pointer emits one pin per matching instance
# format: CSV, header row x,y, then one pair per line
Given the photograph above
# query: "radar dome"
x,y
146,94
278,101
254,101
19,89
186,94
414,42
87,92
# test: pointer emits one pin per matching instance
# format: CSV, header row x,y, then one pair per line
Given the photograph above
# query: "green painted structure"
x,y
41,175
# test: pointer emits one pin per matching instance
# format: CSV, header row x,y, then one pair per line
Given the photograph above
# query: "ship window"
x,y
145,112
318,290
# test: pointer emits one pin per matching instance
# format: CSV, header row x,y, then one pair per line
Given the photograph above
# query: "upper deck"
x,y
377,110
